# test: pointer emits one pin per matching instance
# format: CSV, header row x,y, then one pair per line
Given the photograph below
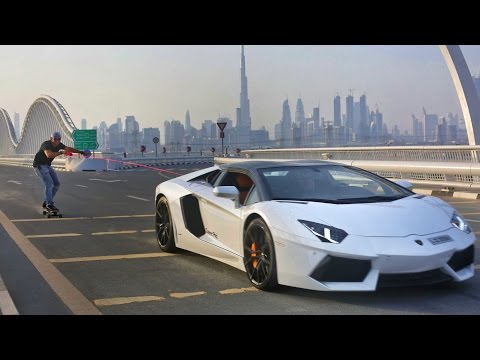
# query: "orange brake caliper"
x,y
254,254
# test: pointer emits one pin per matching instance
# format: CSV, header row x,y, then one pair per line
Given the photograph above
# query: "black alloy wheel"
x,y
164,226
259,256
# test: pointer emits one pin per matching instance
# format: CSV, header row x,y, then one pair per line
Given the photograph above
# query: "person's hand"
x,y
61,151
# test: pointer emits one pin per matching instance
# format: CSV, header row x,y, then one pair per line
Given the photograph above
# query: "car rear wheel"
x,y
259,256
164,226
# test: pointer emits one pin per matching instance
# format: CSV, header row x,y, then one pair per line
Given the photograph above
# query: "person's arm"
x,y
73,150
52,154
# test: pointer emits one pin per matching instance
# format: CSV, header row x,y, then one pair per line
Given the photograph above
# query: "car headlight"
x,y
325,233
460,223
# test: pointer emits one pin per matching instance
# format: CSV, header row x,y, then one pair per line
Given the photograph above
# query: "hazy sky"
x,y
160,82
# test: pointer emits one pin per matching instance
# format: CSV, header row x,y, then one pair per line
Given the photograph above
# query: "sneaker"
x,y
44,205
50,207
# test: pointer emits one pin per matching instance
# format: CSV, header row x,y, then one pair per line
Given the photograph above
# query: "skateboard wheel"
x,y
60,215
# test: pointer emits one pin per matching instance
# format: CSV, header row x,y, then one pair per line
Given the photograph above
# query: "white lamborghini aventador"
x,y
314,225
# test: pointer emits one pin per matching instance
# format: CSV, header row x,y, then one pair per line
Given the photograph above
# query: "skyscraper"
x,y
286,132
337,117
244,122
83,125
187,122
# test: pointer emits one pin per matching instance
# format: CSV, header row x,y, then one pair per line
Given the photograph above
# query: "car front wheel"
x,y
164,226
259,256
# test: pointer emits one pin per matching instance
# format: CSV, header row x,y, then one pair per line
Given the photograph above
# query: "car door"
x,y
222,218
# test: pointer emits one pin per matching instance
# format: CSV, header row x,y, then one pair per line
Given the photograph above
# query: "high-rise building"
x,y
187,122
83,124
349,119
363,126
300,121
244,122
337,117
286,134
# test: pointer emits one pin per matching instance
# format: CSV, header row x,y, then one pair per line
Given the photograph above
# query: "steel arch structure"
x,y
466,92
44,116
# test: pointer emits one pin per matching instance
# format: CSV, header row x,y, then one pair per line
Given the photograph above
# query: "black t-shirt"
x,y
41,158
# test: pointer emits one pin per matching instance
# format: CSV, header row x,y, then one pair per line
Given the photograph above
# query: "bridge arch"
x,y
44,116
466,92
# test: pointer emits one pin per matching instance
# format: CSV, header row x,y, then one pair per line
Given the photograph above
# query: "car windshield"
x,y
331,184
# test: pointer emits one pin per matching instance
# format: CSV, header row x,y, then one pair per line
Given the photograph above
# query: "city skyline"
x,y
158,83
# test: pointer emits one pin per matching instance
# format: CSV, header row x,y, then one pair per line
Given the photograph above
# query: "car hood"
x,y
413,215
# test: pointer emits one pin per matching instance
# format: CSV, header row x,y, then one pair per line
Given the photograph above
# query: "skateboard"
x,y
54,213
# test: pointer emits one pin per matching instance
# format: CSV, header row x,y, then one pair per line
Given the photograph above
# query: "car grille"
x,y
336,269
462,258
410,279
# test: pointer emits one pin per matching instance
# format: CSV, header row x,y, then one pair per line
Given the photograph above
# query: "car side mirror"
x,y
404,183
229,192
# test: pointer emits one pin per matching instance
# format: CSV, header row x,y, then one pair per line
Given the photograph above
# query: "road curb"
x,y
7,307
454,194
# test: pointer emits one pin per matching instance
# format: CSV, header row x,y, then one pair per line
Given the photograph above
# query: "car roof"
x,y
257,164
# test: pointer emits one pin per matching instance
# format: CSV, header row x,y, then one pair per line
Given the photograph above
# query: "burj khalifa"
x,y
244,122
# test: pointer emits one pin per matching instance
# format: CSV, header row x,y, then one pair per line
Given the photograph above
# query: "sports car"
x,y
316,225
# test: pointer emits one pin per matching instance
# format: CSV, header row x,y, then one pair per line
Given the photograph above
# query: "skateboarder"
x,y
49,150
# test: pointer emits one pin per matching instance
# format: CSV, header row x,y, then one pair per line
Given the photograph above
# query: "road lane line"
x,y
185,295
237,291
114,232
15,182
474,213
111,257
165,176
51,219
68,293
148,231
51,235
126,300
463,202
121,216
477,221
81,186
83,218
7,307
138,198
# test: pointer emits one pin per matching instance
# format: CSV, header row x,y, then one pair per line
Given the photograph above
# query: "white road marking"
x,y
184,295
120,216
81,185
51,235
462,202
51,219
477,221
15,182
111,257
126,300
108,181
147,231
7,306
115,232
162,174
237,291
138,198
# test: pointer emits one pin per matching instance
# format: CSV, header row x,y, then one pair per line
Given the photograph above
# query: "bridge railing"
x,y
452,153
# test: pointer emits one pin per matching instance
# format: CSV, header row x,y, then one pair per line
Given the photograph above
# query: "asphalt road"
x,y
102,257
